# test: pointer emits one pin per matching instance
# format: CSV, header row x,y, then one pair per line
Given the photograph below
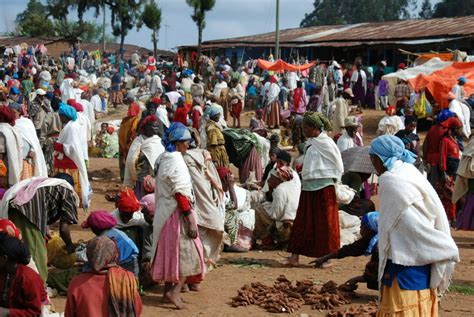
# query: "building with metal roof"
x,y
371,41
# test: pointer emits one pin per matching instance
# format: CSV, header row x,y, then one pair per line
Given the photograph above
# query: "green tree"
x,y
151,17
34,21
453,8
199,16
330,12
426,11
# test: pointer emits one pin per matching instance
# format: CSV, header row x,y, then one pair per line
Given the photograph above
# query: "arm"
x,y
65,234
185,207
443,151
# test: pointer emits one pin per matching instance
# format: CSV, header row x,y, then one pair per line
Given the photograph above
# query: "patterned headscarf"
x,y
176,132
390,149
317,120
148,202
284,173
102,253
8,227
371,220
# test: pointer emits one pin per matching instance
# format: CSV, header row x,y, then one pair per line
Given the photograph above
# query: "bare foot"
x,y
194,287
290,262
185,288
164,299
174,299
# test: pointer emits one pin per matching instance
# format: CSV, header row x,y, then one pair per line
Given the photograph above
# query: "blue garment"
x,y
444,115
176,132
410,278
252,91
390,149
127,248
67,111
371,220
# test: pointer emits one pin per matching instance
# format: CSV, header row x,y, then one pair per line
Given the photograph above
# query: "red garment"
x,y
71,102
196,117
297,93
8,227
127,201
7,115
316,230
26,293
133,110
432,140
183,202
78,107
181,114
65,162
448,147
87,296
236,109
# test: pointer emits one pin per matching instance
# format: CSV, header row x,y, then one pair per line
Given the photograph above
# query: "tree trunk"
x,y
120,55
199,52
155,44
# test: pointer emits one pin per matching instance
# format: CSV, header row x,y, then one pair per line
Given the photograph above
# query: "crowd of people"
x,y
191,184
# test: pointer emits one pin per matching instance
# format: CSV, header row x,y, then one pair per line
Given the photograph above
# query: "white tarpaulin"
x,y
427,68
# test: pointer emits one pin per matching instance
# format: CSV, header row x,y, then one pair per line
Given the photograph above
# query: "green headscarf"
x,y
317,120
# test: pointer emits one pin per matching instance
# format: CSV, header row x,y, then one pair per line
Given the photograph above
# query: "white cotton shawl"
x,y
355,78
172,177
69,138
322,159
28,133
11,193
413,226
89,113
84,134
13,145
151,147
67,91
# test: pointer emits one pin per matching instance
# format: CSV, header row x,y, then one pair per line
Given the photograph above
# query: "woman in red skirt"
x,y
237,96
316,227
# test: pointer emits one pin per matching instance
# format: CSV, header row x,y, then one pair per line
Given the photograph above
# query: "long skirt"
x,y
177,255
400,303
272,114
359,93
116,97
253,163
236,109
28,170
445,192
212,244
316,230
465,219
33,239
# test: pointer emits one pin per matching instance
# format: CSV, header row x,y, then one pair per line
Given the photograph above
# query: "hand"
x,y
4,312
319,261
350,285
192,226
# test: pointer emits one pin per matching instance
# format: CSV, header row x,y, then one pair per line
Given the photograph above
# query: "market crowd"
x,y
293,179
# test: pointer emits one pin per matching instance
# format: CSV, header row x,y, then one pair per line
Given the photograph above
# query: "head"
x,y
127,204
147,203
386,150
234,82
283,158
176,138
103,127
12,253
410,123
462,81
102,253
299,84
274,140
314,123
259,114
150,126
67,113
99,221
351,125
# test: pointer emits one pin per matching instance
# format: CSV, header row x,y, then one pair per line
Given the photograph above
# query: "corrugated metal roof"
x,y
391,31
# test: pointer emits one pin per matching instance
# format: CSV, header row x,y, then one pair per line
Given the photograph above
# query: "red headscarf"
x,y
452,123
133,110
9,228
78,107
149,119
391,110
273,79
156,101
7,115
127,201
110,130
99,220
71,102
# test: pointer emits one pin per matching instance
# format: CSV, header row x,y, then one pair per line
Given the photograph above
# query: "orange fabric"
x,y
446,57
280,65
440,83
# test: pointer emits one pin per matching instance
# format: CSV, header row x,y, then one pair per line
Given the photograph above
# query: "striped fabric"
x,y
48,205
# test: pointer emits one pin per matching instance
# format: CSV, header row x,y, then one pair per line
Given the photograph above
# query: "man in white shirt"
x,y
458,89
221,84
462,112
349,134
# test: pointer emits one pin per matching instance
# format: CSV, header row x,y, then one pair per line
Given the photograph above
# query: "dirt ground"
x,y
222,283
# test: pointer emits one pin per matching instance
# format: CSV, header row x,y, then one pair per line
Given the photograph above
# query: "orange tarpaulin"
x,y
446,57
440,82
281,65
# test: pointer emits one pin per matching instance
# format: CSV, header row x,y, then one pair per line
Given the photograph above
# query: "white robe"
x,y
413,226
28,133
73,149
151,148
463,113
13,145
322,159
345,142
84,134
89,113
67,91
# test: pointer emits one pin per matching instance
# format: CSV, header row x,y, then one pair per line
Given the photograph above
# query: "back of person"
x,y
86,290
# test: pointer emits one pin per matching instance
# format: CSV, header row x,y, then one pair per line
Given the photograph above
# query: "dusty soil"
x,y
222,283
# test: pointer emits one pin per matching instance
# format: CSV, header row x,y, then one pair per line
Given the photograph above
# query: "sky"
x,y
229,18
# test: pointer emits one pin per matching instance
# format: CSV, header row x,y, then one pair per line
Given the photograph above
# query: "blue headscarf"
x,y
444,115
213,110
462,79
176,132
371,220
390,149
67,111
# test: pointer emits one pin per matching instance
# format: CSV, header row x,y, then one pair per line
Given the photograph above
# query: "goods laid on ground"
x,y
364,310
284,297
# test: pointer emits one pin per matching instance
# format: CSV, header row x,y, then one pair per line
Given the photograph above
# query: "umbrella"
x,y
357,159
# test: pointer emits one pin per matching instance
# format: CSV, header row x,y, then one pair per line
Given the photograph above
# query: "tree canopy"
x,y
453,8
199,16
330,12
151,17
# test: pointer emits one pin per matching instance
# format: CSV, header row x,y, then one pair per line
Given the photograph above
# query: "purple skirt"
x,y
465,219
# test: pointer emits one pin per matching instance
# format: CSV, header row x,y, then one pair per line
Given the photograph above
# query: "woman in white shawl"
x,y
209,196
178,255
69,155
141,157
417,254
10,148
67,90
272,104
